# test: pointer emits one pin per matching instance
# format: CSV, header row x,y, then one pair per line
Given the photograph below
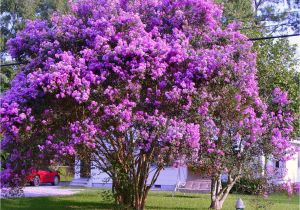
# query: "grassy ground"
x,y
94,200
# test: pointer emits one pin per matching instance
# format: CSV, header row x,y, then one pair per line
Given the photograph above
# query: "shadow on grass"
x,y
179,195
49,203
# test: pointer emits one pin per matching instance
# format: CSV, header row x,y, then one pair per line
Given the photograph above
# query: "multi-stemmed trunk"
x,y
128,169
219,194
131,190
216,186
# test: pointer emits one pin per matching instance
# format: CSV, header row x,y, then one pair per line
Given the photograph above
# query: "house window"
x,y
277,164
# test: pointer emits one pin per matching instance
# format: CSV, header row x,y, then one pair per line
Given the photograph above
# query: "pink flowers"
x,y
280,97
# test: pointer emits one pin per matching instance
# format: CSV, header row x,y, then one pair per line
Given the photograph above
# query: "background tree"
x,y
14,14
276,58
263,15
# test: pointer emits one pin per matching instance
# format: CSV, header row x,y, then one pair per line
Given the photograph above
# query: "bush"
x,y
66,173
248,186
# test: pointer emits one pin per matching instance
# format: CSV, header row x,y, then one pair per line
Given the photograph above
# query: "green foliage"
x,y
237,10
276,61
249,186
66,173
7,73
277,67
261,13
15,13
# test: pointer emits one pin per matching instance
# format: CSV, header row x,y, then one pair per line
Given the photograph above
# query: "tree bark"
x,y
128,169
131,189
215,189
216,204
219,195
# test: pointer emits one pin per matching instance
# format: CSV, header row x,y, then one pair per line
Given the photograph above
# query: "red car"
x,y
43,176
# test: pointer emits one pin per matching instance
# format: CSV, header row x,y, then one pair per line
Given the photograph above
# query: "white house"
x,y
171,177
287,171
168,179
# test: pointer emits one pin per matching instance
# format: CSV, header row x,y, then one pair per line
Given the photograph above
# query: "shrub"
x,y
249,186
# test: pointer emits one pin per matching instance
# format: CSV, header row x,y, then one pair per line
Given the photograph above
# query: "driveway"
x,y
44,191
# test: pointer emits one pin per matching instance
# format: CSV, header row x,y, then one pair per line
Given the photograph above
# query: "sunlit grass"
x,y
93,199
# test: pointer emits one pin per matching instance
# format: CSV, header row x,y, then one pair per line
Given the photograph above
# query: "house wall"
x,y
293,170
167,179
288,171
170,176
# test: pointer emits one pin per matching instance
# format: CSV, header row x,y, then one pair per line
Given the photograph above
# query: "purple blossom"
x,y
280,97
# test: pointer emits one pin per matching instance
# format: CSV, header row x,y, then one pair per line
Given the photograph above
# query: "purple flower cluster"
x,y
279,126
280,97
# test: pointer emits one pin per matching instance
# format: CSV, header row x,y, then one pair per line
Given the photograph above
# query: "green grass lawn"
x,y
93,199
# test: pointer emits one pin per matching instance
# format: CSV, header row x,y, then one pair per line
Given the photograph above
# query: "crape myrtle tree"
x,y
134,85
278,132
236,134
113,79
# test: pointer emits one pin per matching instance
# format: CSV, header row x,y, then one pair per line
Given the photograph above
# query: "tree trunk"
x,y
121,192
128,170
215,189
127,200
219,195
132,195
216,204
140,203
